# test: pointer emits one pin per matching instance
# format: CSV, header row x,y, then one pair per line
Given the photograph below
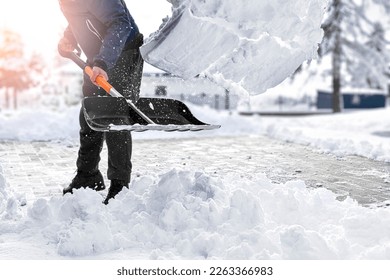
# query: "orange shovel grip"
x,y
99,80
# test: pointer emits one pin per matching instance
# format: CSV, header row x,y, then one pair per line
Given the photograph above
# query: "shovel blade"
x,y
115,114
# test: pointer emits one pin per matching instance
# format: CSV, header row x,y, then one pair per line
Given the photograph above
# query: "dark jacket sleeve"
x,y
113,14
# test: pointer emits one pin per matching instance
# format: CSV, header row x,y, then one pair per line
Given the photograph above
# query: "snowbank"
x,y
40,124
365,133
10,202
186,214
253,45
3,194
45,125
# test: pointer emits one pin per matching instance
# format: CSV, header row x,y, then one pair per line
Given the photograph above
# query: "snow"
x,y
255,45
39,124
188,213
191,214
363,133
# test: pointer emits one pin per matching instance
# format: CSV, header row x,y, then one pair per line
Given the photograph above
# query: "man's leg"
x,y
119,155
91,144
126,78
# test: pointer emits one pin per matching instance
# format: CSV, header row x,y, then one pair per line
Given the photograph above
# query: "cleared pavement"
x,y
42,169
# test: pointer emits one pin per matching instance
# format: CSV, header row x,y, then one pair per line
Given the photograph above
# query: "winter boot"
x,y
115,188
94,181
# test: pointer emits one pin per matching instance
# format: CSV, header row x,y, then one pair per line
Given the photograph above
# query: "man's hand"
x,y
66,46
97,71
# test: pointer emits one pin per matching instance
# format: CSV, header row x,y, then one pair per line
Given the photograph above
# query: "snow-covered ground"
x,y
364,133
190,214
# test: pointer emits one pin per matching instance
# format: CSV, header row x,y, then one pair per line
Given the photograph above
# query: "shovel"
x,y
116,113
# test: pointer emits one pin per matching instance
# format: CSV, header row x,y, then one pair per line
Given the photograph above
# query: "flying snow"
x,y
251,45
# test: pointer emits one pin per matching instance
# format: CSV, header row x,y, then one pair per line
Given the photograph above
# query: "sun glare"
x,y
39,23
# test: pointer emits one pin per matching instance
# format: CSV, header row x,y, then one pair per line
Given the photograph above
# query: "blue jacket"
x,y
102,29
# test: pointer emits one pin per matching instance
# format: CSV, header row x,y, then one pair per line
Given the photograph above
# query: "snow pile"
x,y
364,133
232,124
3,194
45,125
192,215
252,45
40,124
10,202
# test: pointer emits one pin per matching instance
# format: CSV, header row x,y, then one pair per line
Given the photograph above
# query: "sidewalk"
x,y
42,169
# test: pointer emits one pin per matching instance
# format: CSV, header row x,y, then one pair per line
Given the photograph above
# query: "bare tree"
x,y
17,71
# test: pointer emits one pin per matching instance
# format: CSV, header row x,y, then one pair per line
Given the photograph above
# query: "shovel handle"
x,y
102,82
99,80
87,69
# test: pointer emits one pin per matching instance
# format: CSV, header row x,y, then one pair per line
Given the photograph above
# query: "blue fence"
x,y
352,100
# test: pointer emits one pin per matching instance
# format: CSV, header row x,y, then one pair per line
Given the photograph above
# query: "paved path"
x,y
42,169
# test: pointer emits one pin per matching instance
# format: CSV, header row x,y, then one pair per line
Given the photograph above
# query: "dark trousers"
x,y
126,78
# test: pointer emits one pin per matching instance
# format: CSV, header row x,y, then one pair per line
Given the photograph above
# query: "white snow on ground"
x,y
39,124
364,133
253,45
189,214
46,125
